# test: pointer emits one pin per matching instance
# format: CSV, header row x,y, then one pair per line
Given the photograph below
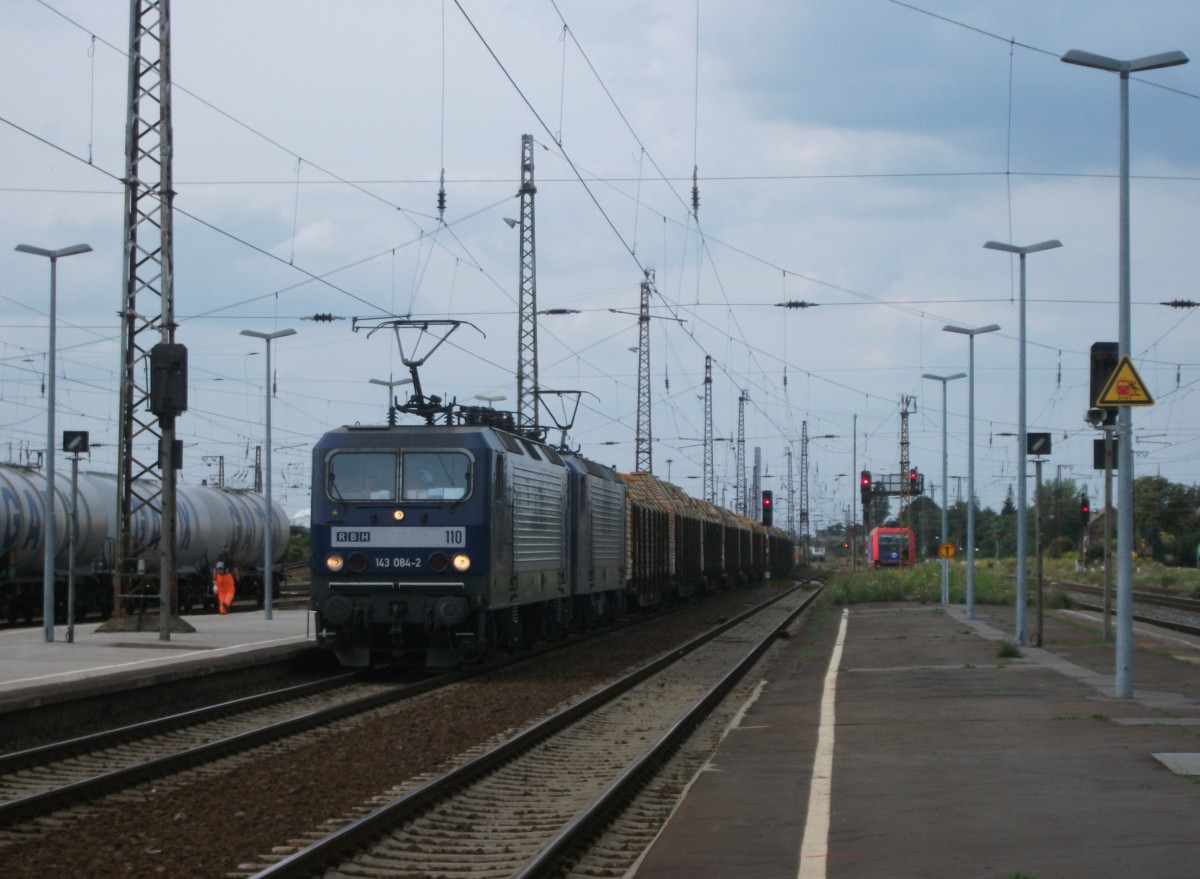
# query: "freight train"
x,y
441,543
207,517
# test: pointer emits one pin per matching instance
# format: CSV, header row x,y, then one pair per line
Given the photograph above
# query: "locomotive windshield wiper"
x,y
466,490
331,487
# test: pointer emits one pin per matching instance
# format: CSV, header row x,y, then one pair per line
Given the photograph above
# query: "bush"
x,y
1062,547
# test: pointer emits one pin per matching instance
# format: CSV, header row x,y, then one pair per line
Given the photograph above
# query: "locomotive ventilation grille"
x,y
538,517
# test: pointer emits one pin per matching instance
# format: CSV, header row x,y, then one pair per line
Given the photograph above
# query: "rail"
x,y
361,832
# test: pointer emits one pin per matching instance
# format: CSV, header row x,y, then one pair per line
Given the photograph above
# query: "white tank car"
x,y
206,518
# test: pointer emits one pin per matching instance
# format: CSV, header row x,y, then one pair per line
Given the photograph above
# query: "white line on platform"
x,y
814,849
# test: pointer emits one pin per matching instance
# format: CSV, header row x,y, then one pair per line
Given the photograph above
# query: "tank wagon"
x,y
440,543
207,517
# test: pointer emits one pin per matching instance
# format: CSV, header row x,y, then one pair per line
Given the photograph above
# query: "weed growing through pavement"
x,y
1008,650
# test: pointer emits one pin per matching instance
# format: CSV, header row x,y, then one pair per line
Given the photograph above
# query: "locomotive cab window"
x,y
362,476
435,476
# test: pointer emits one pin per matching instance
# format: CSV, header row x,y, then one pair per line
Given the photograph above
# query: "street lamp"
x,y
391,386
971,334
268,519
944,379
1022,445
804,440
48,559
1123,683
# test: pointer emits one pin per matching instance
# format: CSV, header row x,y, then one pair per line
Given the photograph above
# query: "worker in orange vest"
x,y
225,577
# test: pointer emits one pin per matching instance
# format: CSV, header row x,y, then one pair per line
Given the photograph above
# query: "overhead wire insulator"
x,y
695,192
1180,303
796,303
442,197
324,317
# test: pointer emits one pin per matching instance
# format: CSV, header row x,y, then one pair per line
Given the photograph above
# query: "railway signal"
x,y
768,507
1084,510
864,487
1104,360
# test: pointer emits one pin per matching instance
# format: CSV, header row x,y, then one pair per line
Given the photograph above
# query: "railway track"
x,y
238,801
39,780
536,800
1169,610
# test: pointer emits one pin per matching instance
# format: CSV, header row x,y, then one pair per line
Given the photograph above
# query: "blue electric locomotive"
x,y
435,545
440,543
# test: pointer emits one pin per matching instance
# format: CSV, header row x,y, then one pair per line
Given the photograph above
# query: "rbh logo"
x,y
352,536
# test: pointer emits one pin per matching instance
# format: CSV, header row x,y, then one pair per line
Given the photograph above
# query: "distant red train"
x,y
891,547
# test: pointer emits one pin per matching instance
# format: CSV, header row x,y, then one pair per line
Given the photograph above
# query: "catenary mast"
x,y
644,459
148,309
527,360
710,489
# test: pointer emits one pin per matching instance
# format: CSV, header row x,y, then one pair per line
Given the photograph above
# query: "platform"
x,y
36,672
935,756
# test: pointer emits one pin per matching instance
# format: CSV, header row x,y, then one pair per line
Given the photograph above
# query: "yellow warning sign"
x,y
946,550
1125,388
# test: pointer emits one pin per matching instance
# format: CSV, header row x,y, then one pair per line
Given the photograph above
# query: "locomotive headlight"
x,y
334,562
398,515
461,562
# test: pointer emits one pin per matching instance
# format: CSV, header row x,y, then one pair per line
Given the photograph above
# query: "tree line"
x,y
1166,521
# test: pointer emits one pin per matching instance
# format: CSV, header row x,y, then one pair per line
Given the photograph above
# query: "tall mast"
x,y
527,359
644,459
740,488
710,491
145,442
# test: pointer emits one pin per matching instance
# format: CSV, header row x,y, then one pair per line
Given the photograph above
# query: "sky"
x,y
854,155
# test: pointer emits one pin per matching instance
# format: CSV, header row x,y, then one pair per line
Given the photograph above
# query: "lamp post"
x,y
804,512
1022,445
48,561
971,334
944,379
1123,683
391,386
268,519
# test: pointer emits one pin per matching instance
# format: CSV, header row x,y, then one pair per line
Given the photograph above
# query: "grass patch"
x,y
1146,574
1008,650
921,583
1058,599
